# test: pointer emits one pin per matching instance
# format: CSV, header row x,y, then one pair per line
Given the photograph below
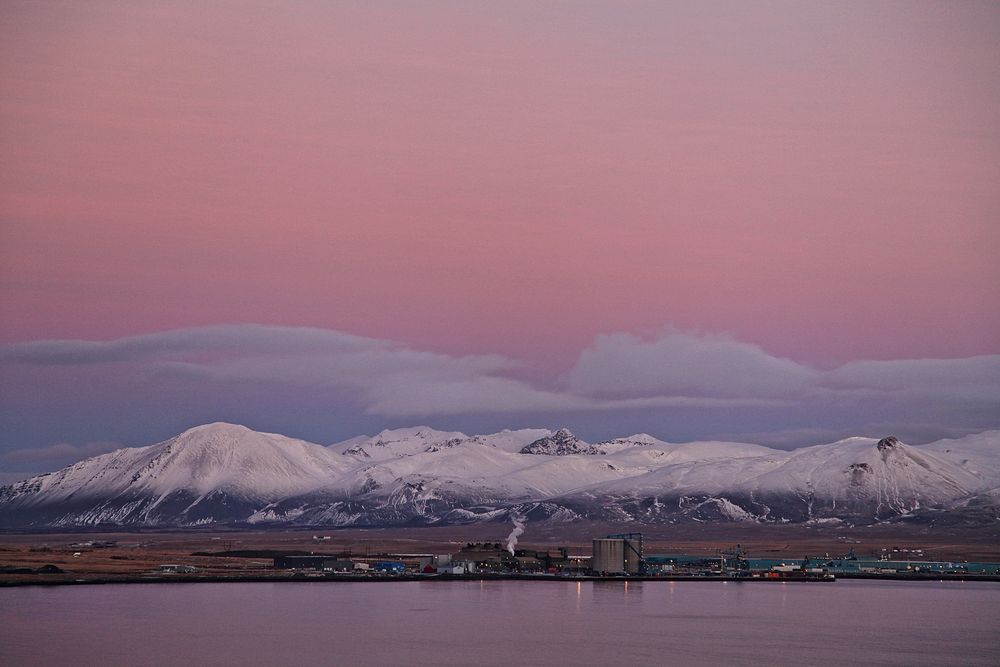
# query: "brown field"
x,y
140,554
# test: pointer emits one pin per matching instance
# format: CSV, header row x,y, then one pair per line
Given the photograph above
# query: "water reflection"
x,y
501,623
616,592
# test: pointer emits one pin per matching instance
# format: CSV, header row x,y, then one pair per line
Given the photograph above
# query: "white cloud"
x,y
62,452
242,338
972,372
685,365
677,364
238,370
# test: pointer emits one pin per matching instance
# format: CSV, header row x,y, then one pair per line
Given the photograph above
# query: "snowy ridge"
x,y
228,474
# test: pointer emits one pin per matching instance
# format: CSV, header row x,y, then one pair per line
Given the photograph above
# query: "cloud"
x,y
377,377
412,394
59,453
321,384
682,364
981,372
244,338
678,364
392,380
12,477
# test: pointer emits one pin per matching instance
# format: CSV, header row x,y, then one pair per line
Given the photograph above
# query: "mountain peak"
x,y
887,443
215,428
560,443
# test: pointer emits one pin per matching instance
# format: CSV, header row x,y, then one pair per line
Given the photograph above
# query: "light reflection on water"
x,y
503,623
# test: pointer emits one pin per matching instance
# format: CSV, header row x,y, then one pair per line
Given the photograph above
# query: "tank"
x,y
616,555
609,556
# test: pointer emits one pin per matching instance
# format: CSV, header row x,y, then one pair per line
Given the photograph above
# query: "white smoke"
x,y
518,529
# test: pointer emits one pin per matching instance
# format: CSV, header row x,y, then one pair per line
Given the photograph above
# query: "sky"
x,y
768,221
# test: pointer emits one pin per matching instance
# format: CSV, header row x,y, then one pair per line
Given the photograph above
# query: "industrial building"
x,y
487,556
325,563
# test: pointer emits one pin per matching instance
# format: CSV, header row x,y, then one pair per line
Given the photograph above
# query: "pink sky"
x,y
816,179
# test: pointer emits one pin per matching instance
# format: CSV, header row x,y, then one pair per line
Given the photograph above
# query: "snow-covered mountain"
x,y
215,472
228,474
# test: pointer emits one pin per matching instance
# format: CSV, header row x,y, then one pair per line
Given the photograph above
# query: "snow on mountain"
x,y
711,450
393,443
485,472
344,445
978,453
512,441
207,458
223,473
706,476
637,440
885,478
858,478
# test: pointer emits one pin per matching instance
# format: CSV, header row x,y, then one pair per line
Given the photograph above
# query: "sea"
x,y
508,623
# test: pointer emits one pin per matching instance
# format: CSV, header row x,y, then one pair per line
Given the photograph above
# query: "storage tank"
x,y
618,554
633,558
609,556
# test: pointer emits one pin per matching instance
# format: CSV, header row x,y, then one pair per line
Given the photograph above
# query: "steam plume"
x,y
518,529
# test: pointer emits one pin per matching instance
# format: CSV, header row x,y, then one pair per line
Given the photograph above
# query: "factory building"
x,y
487,556
618,554
325,563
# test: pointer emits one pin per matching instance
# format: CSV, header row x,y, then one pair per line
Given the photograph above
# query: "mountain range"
x,y
226,474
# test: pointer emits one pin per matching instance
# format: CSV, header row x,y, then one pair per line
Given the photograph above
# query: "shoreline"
x,y
256,579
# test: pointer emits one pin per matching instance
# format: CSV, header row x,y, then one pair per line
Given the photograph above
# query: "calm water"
x,y
504,623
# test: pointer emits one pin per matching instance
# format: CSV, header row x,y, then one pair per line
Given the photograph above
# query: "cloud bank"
x,y
326,384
